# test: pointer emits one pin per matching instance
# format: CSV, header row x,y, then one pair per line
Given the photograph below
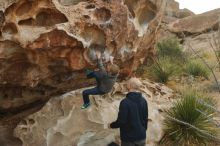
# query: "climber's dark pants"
x,y
93,91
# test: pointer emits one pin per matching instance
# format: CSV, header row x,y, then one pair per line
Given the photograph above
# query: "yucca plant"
x,y
170,48
163,69
190,122
197,69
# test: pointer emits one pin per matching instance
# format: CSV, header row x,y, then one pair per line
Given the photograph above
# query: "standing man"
x,y
133,116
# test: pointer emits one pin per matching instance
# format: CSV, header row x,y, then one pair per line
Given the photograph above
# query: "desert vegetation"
x,y
171,61
196,69
191,121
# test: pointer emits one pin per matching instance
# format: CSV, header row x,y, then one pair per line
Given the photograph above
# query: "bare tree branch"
x,y
203,60
215,49
208,105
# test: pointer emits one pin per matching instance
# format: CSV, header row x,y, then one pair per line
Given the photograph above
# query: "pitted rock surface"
x,y
61,122
46,44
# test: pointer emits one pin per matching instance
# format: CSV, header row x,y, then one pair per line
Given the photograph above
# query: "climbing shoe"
x,y
86,105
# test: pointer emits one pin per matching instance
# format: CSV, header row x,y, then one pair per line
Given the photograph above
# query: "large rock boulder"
x,y
197,23
182,13
46,44
61,122
202,43
171,8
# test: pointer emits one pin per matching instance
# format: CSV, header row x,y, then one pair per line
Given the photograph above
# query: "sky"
x,y
199,6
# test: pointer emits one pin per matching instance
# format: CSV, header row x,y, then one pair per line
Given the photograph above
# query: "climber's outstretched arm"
x,y
90,74
100,65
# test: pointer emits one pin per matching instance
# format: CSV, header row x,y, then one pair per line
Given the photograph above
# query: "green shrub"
x,y
163,69
196,68
190,109
170,59
170,48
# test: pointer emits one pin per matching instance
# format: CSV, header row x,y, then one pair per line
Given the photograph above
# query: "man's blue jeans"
x,y
136,143
93,91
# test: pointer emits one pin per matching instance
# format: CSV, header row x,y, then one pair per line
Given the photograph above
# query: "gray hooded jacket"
x,y
105,81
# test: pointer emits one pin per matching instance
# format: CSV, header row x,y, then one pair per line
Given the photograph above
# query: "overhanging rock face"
x,y
46,44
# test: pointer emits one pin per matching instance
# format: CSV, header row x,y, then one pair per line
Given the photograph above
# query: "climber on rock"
x,y
133,116
105,79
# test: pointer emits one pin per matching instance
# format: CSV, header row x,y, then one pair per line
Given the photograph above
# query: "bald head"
x,y
134,84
